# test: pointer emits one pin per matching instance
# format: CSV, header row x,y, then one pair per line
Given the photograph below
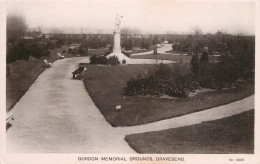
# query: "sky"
x,y
150,16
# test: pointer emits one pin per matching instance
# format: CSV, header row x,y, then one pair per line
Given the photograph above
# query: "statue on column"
x,y
117,46
118,22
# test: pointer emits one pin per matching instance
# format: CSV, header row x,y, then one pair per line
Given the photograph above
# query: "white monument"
x,y
117,47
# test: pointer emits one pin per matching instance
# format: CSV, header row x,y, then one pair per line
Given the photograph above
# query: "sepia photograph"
x,y
157,77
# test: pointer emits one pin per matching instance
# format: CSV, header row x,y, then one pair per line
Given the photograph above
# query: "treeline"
x,y
241,49
37,48
237,60
218,42
127,42
19,48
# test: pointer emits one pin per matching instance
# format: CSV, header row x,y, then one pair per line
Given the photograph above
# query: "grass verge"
x,y
23,74
231,135
105,85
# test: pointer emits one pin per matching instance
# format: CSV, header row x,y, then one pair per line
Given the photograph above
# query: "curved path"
x,y
219,112
56,115
161,50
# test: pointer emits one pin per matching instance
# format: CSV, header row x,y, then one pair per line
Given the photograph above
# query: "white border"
x,y
9,158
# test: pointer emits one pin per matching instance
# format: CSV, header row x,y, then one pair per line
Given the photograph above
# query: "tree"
x,y
16,27
128,44
156,40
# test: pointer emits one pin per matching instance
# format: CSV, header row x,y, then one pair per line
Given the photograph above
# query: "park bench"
x,y
78,73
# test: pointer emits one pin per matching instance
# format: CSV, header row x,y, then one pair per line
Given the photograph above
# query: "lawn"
x,y
105,85
23,74
231,135
102,51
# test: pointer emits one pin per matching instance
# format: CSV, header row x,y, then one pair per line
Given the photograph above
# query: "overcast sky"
x,y
153,16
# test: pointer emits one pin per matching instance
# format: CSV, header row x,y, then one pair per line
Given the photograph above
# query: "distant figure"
x,y
46,64
78,73
204,57
60,56
194,63
155,50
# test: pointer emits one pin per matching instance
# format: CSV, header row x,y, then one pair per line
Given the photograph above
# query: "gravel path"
x,y
219,112
56,115
162,50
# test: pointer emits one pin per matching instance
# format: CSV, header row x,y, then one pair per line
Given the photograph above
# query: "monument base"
x,y
120,57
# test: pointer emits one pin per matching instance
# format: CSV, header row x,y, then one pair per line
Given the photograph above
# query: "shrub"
x,y
83,50
219,75
113,60
179,81
123,61
23,50
98,60
69,51
73,51
173,81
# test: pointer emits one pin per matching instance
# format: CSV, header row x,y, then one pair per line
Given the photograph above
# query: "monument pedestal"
x,y
120,56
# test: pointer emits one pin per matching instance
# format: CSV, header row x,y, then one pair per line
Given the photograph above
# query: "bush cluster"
x,y
236,62
23,50
179,80
173,81
219,75
83,50
113,60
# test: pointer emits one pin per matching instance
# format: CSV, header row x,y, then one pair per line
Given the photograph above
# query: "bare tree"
x,y
197,31
56,31
16,27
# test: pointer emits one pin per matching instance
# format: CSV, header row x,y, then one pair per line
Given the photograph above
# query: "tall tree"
x,y
16,27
